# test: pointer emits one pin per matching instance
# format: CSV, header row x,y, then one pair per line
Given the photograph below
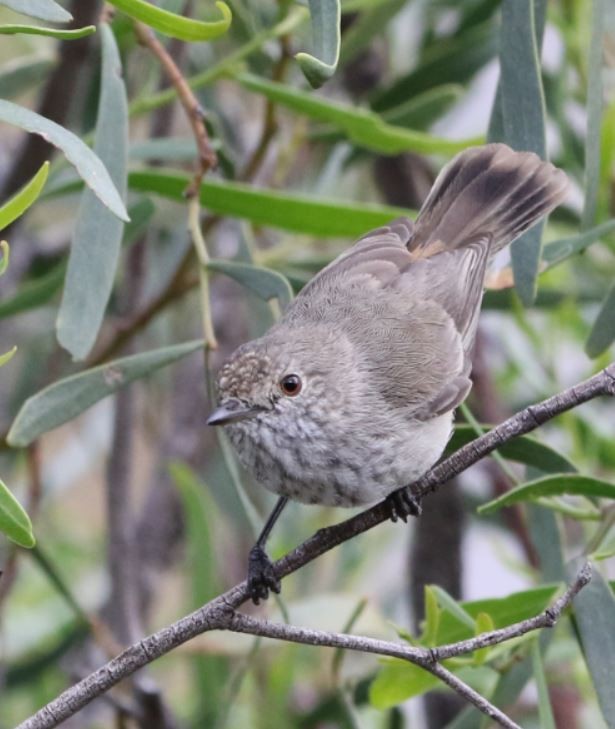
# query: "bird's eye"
x,y
291,385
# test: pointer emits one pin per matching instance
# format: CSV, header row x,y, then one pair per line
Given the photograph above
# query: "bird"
x,y
350,395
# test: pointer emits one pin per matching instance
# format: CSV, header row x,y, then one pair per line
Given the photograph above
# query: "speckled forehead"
x,y
238,376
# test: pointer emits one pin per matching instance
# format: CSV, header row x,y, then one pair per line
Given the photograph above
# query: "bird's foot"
x,y
261,576
402,504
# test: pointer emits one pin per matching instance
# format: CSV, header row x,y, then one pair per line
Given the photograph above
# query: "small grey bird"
x,y
350,396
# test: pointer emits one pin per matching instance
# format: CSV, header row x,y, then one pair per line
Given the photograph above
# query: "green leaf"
x,y
602,333
264,282
87,164
165,149
523,117
483,624
42,9
38,291
7,356
5,250
97,236
559,250
543,527
294,18
34,293
450,60
176,26
425,108
361,126
51,32
452,607
551,486
544,703
523,449
22,200
64,400
14,522
594,114
370,23
503,611
200,517
594,616
432,617
326,17
398,681
18,76
303,214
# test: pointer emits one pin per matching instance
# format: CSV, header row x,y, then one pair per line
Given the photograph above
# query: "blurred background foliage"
x,y
140,513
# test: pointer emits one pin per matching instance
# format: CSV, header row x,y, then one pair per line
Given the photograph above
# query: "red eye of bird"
x,y
290,385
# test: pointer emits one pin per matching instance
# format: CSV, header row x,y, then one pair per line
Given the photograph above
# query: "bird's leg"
x,y
403,503
261,577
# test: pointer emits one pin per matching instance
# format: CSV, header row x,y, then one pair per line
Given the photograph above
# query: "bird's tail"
x,y
486,191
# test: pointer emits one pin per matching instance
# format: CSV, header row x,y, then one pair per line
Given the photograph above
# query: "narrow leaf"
x,y
544,703
451,606
51,32
363,127
64,400
7,356
34,293
523,449
523,115
298,213
398,681
326,17
602,333
432,617
176,26
47,10
484,624
97,237
371,22
22,200
5,251
450,60
18,76
559,250
594,114
594,615
39,291
425,108
14,522
87,164
264,282
256,43
551,486
171,149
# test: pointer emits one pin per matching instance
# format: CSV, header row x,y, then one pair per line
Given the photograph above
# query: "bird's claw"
x,y
261,575
402,504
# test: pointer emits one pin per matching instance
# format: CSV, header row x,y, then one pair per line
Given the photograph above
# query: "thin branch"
x,y
207,156
216,614
207,160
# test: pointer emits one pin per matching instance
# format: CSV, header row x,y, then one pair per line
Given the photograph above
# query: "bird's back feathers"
x,y
417,287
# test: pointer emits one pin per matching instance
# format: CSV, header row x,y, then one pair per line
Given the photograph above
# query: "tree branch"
x,y
218,613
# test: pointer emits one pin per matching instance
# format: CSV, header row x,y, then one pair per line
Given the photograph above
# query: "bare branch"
x,y
207,157
219,612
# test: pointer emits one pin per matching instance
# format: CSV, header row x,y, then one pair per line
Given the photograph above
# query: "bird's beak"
x,y
231,411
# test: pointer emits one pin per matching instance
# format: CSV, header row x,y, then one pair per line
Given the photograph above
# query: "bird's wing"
x,y
380,254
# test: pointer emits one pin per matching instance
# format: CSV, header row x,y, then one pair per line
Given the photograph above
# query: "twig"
x,y
216,613
220,614
270,125
207,156
206,160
